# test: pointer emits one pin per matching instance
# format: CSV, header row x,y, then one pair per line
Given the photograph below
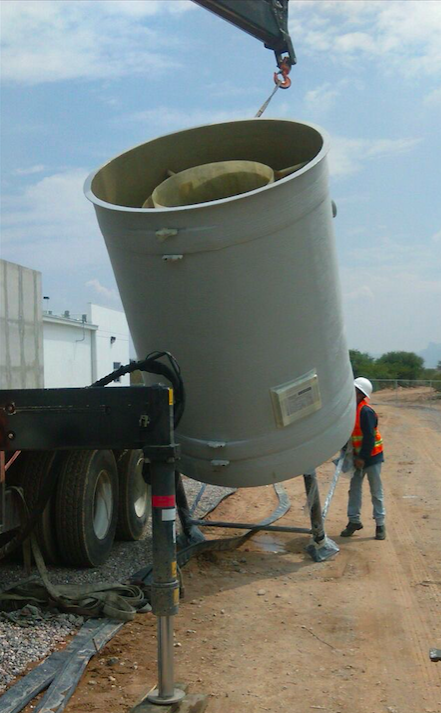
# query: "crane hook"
x,y
284,70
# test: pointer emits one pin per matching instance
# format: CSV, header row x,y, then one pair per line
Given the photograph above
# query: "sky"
x,y
84,80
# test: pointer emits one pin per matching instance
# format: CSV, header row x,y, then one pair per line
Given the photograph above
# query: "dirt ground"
x,y
266,629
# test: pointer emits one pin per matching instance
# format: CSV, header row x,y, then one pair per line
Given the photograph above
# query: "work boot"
x,y
380,532
350,528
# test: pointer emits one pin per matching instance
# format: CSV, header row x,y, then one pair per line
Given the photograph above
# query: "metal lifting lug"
x,y
218,464
165,233
172,258
216,444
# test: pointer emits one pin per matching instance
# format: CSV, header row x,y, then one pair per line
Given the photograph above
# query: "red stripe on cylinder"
x,y
163,501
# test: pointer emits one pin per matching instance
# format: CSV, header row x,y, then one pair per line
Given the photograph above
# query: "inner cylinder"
x,y
211,182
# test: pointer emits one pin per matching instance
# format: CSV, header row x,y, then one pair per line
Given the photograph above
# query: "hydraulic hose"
x,y
152,365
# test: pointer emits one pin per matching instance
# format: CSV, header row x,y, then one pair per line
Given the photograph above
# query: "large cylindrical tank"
x,y
243,291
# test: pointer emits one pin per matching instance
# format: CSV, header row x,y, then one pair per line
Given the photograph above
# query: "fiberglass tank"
x,y
242,289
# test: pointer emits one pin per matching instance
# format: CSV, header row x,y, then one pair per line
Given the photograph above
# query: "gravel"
x,y
29,634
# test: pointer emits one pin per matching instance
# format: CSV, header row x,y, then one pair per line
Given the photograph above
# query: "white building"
x,y
80,350
21,329
55,351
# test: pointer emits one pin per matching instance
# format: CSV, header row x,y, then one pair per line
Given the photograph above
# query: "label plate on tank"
x,y
296,399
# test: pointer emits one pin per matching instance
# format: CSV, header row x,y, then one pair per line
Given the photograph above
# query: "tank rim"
x,y
90,195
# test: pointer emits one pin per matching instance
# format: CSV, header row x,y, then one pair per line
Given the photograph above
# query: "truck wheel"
x,y
86,507
134,504
31,478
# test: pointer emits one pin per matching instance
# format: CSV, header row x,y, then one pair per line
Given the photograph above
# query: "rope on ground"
x,y
108,599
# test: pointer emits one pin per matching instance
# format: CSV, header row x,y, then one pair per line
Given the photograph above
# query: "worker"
x,y
367,447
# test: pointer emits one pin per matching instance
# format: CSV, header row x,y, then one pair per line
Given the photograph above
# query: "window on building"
x,y
116,365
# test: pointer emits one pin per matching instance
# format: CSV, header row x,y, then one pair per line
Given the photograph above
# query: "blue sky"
x,y
83,81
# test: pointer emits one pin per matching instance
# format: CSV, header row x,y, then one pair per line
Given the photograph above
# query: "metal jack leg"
x,y
165,587
190,532
322,547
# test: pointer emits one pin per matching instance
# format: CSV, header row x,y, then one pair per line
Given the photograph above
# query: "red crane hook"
x,y
284,70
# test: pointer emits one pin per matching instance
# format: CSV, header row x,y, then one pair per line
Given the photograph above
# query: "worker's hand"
x,y
359,463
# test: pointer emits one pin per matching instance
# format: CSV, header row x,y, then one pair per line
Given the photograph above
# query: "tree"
x,y
402,365
361,362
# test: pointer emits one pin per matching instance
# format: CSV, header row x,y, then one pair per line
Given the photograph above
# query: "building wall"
x,y
111,346
78,353
21,327
67,352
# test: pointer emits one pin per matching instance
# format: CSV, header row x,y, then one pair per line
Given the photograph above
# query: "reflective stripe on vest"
x,y
357,434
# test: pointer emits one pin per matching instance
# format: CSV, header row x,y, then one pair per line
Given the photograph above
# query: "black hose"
x,y
152,365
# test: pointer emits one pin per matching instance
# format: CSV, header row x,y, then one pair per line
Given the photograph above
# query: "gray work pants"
x,y
373,473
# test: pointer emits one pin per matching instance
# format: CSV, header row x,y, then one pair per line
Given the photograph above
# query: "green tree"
x,y
361,362
381,371
402,365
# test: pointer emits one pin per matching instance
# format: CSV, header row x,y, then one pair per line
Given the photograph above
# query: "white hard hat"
x,y
364,385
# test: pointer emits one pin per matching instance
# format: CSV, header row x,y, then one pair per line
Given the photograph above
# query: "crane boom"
x,y
266,20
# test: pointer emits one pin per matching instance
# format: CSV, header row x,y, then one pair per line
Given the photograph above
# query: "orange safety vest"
x,y
357,434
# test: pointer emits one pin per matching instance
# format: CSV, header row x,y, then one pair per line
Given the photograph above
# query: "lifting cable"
x,y
282,82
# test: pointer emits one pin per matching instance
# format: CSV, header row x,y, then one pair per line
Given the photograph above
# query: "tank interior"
x,y
130,178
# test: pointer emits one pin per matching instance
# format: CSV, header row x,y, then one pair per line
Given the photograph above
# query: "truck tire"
x,y
32,475
134,504
86,507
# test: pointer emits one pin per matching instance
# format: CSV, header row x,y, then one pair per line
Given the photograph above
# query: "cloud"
x,y
361,292
399,35
38,168
50,226
145,8
52,41
322,98
433,98
227,90
347,156
401,312
97,287
168,118
392,292
419,255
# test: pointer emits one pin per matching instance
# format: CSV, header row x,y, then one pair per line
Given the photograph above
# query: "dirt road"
x,y
266,629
